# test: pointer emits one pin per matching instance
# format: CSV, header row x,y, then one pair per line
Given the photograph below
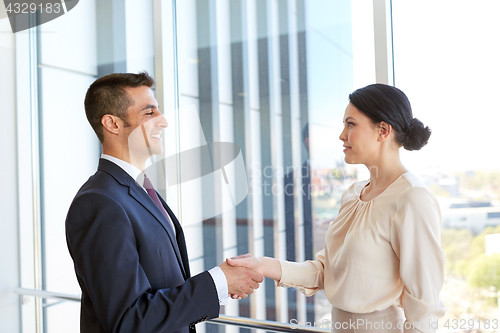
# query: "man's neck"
x,y
136,162
133,171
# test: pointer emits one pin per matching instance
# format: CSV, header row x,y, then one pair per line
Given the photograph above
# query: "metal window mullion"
x,y
242,132
208,83
305,193
167,81
382,26
35,172
286,118
268,202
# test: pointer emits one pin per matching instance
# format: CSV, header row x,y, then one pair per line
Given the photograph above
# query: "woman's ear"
x,y
384,131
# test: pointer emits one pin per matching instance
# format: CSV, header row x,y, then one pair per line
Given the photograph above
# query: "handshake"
x,y
244,273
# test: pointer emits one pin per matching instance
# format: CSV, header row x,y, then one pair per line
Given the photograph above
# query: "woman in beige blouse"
x,y
382,260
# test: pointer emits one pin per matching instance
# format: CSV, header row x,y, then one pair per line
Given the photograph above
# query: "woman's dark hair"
x,y
381,102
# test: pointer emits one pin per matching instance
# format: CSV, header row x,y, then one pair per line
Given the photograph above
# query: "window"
x,y
445,62
271,77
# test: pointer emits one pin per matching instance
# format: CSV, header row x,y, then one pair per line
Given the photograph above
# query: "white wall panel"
x,y
277,139
196,265
259,296
282,294
9,237
294,62
70,157
297,143
190,131
70,40
188,48
363,43
191,136
191,197
25,179
226,123
274,55
232,308
139,36
224,52
229,216
253,56
256,176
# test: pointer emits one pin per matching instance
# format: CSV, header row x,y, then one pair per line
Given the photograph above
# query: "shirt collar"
x,y
131,170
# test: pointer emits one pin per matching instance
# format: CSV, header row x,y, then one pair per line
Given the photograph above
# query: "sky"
x,y
447,61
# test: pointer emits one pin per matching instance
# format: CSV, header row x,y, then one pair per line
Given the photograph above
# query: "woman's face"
x,y
360,137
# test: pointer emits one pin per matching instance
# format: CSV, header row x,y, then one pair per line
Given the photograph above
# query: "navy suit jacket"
x,y
133,272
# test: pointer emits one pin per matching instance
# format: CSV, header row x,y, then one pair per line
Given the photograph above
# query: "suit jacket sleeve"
x,y
102,243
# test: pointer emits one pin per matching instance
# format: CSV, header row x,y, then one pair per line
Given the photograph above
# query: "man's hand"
x,y
241,256
241,281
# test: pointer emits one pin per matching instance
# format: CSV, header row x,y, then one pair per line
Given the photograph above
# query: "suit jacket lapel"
x,y
143,198
181,241
138,193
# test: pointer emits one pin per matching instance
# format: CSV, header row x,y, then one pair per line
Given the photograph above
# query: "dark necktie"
x,y
152,193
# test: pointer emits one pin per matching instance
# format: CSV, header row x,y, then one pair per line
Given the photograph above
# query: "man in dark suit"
x,y
128,247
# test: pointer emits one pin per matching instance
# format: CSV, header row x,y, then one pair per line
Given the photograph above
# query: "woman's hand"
x,y
249,262
268,267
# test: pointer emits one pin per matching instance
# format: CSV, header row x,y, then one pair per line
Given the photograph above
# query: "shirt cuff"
x,y
220,284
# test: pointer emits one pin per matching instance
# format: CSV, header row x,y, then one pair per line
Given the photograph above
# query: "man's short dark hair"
x,y
107,95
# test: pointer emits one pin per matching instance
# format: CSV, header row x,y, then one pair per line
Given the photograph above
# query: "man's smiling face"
x,y
144,124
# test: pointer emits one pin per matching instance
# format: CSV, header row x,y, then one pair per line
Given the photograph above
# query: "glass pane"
x,y
68,148
96,38
447,64
272,77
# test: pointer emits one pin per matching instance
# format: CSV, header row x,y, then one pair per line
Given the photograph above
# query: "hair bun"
x,y
417,135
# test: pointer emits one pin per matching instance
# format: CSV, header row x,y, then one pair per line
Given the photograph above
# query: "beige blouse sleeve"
x,y
415,238
308,276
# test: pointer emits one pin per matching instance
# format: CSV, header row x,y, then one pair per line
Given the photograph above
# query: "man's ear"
x,y
111,123
384,130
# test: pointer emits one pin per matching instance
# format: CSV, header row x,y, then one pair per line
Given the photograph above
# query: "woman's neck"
x,y
384,172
